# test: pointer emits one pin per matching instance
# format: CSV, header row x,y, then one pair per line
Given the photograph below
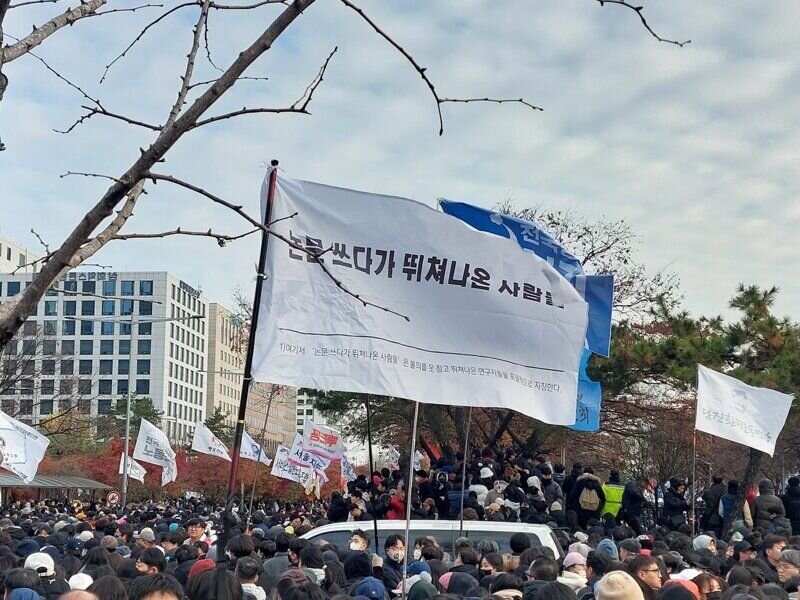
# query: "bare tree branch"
x,y
311,88
82,174
186,78
41,241
121,10
40,34
638,11
492,100
208,50
99,110
222,239
18,4
209,81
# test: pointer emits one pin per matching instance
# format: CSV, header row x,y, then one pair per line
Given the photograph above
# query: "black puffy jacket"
x,y
791,502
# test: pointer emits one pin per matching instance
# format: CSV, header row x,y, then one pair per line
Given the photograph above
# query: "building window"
x,y
110,288
87,347
46,407
69,307
104,405
29,347
106,367
26,388
106,347
123,366
87,327
87,306
104,387
26,406
84,386
145,307
65,387
122,386
127,288
49,347
124,328
145,329
68,347
70,286
48,387
29,328
143,367
144,346
50,308
48,367
67,367
124,347
68,328
145,288
107,308
84,367
50,327
12,288
106,328
88,287
126,307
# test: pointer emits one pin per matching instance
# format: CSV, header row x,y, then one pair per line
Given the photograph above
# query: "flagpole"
x,y
464,472
694,478
409,489
258,457
248,369
371,471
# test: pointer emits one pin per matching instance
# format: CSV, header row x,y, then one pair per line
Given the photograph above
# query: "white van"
x,y
445,532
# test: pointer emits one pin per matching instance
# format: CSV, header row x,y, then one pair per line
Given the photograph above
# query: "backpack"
x,y
589,500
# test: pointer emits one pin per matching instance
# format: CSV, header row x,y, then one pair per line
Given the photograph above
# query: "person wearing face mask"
x,y
573,572
490,566
710,586
359,541
395,549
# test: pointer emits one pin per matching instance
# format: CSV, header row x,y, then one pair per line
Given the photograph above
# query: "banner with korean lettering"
x,y
22,448
587,414
322,440
135,470
302,456
284,468
733,410
472,320
152,446
205,442
252,450
348,472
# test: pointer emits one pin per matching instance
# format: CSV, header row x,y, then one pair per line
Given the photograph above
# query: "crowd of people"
x,y
613,545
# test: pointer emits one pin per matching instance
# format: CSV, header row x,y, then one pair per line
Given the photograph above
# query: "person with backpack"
x,y
587,497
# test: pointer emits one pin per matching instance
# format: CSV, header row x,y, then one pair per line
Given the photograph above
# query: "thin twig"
x,y
186,78
65,80
141,35
222,239
82,174
238,210
120,10
492,100
210,81
286,218
638,11
311,87
216,6
41,241
208,50
18,4
102,111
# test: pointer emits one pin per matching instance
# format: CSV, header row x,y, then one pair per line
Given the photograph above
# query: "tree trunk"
x,y
753,465
502,428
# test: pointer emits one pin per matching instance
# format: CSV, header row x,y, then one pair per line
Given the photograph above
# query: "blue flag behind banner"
x,y
587,415
597,290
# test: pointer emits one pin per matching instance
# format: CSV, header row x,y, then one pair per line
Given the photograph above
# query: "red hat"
x,y
205,564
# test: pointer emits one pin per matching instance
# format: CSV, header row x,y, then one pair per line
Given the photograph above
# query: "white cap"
x,y
42,563
85,536
80,581
486,473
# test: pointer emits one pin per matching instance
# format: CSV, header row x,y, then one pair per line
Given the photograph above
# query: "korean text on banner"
x,y
322,440
21,447
735,411
152,446
251,449
283,468
205,442
348,472
135,470
300,455
587,415
482,323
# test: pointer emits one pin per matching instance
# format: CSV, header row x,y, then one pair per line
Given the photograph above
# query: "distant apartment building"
x,y
15,257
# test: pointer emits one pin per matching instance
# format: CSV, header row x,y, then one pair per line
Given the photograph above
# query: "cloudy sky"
x,y
696,147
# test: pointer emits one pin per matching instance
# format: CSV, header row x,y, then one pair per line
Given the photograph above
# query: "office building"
x,y
15,257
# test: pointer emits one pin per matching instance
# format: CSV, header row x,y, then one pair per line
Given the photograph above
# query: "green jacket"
x,y
613,492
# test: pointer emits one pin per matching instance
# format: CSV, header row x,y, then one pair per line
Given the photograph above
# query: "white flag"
x,y
205,442
300,455
286,469
21,447
417,458
322,440
152,446
348,472
135,470
250,450
484,323
393,458
733,410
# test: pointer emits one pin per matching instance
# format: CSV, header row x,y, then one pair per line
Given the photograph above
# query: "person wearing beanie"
x,y
370,587
618,585
357,566
26,547
726,504
609,548
573,572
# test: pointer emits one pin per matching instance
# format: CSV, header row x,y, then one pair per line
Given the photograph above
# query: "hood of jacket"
x,y
590,477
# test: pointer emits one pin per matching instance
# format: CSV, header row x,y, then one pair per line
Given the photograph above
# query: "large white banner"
x,y
252,450
284,468
135,470
205,442
484,323
21,447
322,440
733,410
152,446
302,456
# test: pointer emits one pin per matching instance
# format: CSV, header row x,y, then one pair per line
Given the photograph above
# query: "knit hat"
x,y
701,542
444,580
608,548
417,567
205,564
573,558
618,585
580,548
80,581
371,588
680,589
27,547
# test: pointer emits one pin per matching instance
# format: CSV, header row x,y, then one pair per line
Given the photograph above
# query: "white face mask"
x,y
355,546
395,555
417,553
